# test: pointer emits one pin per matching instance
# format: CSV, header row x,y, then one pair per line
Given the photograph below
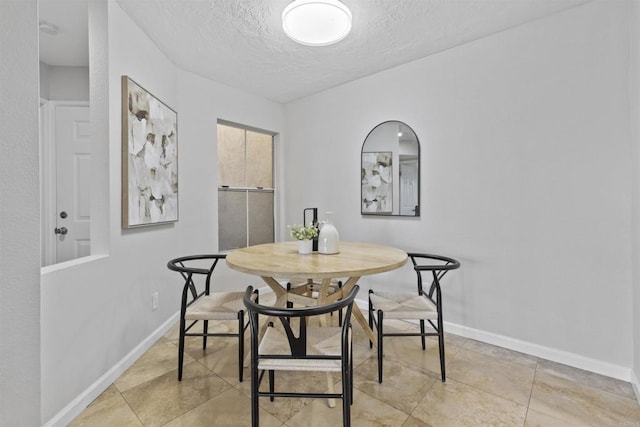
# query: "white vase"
x,y
305,246
328,239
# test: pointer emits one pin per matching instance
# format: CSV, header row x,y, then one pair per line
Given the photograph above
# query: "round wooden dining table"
x,y
277,261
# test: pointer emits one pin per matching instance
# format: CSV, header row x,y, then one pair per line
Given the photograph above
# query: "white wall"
x,y
201,103
525,177
634,98
64,83
97,312
19,216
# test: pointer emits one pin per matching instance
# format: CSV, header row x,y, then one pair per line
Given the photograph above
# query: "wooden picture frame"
x,y
149,158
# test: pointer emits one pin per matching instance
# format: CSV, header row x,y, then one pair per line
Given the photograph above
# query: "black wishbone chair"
x,y
421,305
205,305
295,345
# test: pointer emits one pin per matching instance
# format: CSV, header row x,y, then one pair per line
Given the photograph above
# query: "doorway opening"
x,y
65,140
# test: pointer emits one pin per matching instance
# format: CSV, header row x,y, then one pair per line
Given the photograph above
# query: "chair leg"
x,y
181,349
441,349
205,330
380,335
346,403
289,303
240,343
422,337
370,316
351,374
340,311
346,399
347,388
255,410
272,385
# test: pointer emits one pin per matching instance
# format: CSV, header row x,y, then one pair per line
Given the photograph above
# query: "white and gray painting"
x,y
152,188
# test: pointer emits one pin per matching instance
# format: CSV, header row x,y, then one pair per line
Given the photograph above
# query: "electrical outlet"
x,y
154,301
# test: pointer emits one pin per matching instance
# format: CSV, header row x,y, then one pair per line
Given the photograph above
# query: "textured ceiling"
x,y
241,43
70,47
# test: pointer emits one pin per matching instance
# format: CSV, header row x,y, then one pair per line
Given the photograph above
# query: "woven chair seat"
x,y
398,305
320,341
216,306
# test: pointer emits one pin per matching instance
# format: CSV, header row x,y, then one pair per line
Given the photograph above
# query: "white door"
x,y
409,187
73,179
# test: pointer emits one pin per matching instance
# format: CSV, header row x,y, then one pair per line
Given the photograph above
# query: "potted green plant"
x,y
304,235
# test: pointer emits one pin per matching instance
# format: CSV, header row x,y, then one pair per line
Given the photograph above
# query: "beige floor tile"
x,y
538,419
501,353
583,377
221,357
107,413
230,409
505,379
365,412
403,386
174,333
359,335
243,387
455,340
362,353
457,405
411,395
111,391
409,350
316,413
578,404
414,422
284,408
161,358
164,398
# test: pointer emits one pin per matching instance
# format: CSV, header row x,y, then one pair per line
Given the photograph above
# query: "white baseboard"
x,y
79,404
636,385
548,353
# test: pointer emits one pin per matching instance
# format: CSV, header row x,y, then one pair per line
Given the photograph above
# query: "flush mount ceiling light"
x,y
316,22
48,28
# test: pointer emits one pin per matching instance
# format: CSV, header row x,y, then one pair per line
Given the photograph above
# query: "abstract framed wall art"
x,y
377,182
149,158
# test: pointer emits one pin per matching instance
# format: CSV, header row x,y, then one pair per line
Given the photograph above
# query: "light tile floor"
x,y
486,386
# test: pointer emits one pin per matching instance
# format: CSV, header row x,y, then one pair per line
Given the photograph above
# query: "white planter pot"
x,y
305,246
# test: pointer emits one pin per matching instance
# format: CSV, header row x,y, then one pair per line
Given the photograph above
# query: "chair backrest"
x,y
438,265
297,339
189,265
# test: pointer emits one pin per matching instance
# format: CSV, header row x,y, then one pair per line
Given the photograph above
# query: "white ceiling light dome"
x,y
316,22
48,28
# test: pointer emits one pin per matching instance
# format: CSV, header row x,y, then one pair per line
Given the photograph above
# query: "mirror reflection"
x,y
390,171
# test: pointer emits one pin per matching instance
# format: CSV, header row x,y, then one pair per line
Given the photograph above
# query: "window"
x,y
245,186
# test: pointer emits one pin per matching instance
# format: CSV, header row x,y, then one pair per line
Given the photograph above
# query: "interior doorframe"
x,y
48,180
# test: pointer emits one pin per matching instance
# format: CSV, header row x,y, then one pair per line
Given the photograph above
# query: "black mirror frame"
x,y
417,208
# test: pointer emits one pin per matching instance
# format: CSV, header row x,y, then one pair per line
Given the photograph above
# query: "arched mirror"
x,y
390,171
